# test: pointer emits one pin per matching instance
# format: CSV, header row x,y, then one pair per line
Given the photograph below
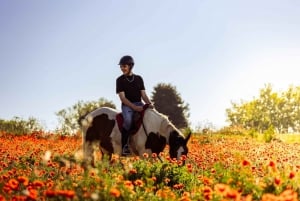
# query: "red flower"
x,y
272,164
133,171
128,184
178,186
138,182
292,174
38,183
13,184
50,193
33,194
2,198
207,192
221,188
183,157
69,193
115,192
232,194
19,198
277,180
24,180
154,155
246,162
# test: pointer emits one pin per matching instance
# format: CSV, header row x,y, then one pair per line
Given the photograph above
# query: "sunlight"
x,y
280,67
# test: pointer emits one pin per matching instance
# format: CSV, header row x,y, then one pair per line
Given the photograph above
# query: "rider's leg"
x,y
127,116
127,125
125,147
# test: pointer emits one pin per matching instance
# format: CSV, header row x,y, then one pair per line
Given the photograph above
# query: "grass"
x,y
289,138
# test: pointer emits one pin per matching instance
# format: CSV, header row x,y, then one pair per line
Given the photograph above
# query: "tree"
x,y
168,101
280,111
68,118
291,108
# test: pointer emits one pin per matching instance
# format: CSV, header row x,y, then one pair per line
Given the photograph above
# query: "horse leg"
x,y
88,153
138,143
105,154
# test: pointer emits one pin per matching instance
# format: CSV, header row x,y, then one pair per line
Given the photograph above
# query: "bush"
x,y
19,126
269,134
233,130
69,117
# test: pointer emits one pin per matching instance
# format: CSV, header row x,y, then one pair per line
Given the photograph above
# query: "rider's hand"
x,y
151,106
138,108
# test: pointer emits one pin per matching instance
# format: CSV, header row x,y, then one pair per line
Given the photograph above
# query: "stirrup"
x,y
126,150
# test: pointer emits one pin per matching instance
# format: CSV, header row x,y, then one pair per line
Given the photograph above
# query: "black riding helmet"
x,y
127,60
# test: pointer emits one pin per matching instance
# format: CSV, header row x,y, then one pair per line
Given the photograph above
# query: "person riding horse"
x,y
102,128
131,90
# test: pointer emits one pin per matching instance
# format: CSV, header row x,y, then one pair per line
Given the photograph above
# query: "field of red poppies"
x,y
43,166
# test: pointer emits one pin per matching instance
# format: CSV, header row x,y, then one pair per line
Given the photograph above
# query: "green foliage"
x,y
238,177
68,118
269,134
169,102
279,110
186,131
165,173
253,133
233,130
19,126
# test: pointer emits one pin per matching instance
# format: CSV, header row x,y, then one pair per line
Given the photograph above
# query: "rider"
x,y
131,90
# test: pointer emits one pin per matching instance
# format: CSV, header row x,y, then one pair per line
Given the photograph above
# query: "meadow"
x,y
43,166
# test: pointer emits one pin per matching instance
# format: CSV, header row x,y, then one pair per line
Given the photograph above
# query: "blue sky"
x,y
55,53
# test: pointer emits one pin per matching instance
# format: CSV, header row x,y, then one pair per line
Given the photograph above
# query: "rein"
x,y
145,131
146,106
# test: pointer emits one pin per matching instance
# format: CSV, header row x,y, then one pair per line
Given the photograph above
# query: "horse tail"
x,y
79,121
85,121
87,147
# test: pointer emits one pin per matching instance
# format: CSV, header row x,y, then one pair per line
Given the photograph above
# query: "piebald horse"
x,y
100,128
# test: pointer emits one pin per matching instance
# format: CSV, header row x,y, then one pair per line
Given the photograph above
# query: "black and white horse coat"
x,y
100,128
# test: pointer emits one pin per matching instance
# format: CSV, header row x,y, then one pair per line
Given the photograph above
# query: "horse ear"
x,y
188,137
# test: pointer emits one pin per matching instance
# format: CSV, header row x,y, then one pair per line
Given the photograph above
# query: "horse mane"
x,y
168,125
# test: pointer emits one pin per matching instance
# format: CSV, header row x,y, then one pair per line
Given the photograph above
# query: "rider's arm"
x,y
145,97
125,101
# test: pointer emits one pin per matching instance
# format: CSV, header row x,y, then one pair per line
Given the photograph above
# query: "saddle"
x,y
137,120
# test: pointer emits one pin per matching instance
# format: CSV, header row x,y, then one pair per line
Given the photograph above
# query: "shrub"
x,y
233,130
19,126
269,134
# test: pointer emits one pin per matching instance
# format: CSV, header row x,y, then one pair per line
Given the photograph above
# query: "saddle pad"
x,y
136,123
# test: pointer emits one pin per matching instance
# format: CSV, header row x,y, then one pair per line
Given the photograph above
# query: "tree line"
x,y
270,110
278,111
20,126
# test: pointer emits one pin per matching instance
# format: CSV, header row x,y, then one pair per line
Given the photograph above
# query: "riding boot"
x,y
125,147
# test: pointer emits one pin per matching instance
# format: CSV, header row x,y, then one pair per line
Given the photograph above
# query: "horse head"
x,y
178,144
174,138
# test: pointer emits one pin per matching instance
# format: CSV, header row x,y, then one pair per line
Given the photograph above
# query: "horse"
x,y
102,128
